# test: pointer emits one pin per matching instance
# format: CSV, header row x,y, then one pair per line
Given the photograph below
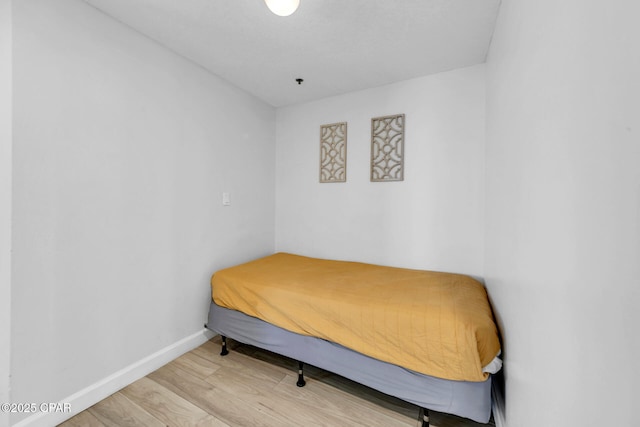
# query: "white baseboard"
x,y
93,394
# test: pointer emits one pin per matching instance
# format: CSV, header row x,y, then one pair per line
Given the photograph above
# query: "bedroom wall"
x,y
563,209
433,219
121,153
5,202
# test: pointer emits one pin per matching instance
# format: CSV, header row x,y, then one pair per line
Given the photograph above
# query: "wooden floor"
x,y
249,387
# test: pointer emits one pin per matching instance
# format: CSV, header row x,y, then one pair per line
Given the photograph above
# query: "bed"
x,y
425,337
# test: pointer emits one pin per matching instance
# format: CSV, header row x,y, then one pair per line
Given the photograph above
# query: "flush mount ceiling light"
x,y
282,7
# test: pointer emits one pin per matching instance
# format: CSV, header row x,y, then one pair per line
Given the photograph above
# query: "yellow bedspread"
x,y
439,324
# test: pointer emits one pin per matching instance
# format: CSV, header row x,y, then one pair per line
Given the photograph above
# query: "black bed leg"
x,y
224,351
301,382
424,415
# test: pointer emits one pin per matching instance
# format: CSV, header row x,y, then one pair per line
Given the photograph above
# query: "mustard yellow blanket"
x,y
439,324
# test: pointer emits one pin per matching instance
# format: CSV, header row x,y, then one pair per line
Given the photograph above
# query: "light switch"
x,y
226,199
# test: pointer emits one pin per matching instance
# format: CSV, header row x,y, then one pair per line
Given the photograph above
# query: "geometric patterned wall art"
x,y
387,148
333,152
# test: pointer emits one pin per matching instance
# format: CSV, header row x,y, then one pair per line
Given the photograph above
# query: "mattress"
x,y
463,398
437,324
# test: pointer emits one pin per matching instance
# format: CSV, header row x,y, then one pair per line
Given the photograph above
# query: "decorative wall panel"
x,y
387,148
333,152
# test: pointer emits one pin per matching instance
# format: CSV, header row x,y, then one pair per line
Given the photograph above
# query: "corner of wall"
x,y
6,141
498,406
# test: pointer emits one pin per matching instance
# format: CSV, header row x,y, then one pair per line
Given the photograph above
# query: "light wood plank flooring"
x,y
249,387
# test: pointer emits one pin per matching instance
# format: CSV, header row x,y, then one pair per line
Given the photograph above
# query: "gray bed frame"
x,y
463,398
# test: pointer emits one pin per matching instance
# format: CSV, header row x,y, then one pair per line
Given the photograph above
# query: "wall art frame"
x,y
333,152
387,148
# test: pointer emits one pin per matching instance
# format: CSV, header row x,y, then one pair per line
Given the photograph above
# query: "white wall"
x,y
121,152
563,209
433,219
5,202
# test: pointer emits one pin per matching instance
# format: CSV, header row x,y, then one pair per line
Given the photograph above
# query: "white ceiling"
x,y
336,46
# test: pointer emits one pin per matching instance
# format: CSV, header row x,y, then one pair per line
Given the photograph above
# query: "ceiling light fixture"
x,y
282,7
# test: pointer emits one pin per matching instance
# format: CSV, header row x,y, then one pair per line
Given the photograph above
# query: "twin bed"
x,y
425,337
